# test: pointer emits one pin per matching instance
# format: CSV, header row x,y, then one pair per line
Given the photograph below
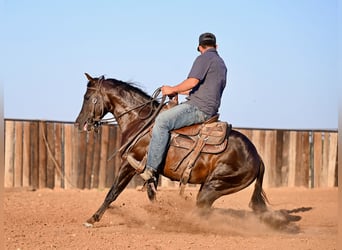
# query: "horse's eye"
x,y
86,98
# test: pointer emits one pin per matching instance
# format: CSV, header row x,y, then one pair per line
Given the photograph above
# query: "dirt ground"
x,y
53,219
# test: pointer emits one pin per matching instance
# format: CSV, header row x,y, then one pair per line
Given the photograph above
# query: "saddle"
x,y
209,137
212,131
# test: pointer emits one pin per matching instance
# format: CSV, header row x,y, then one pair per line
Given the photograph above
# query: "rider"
x,y
204,87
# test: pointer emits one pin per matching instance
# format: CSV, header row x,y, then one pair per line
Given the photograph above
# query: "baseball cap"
x,y
207,38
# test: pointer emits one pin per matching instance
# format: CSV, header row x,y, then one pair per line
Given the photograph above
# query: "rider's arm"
x,y
183,88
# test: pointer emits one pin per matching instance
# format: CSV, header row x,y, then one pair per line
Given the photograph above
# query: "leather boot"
x,y
148,174
139,166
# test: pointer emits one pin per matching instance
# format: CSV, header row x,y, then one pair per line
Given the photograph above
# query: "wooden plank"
x,y
50,161
270,161
89,159
332,156
302,160
42,155
292,158
103,156
26,154
82,154
34,167
285,159
96,159
18,160
75,159
325,156
58,155
9,153
317,158
279,158
110,170
258,139
69,148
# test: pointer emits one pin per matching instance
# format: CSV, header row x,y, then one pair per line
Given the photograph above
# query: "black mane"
x,y
124,86
129,86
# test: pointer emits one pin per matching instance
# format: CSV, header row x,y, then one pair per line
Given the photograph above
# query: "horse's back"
x,y
237,138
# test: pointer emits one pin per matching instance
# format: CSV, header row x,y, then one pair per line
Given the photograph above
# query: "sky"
x,y
282,56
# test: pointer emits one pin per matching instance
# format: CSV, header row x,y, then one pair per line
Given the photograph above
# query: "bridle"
x,y
94,123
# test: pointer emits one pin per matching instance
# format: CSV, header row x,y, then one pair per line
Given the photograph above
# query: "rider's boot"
x,y
149,175
139,166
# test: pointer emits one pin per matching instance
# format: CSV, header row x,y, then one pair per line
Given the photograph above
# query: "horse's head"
x,y
95,105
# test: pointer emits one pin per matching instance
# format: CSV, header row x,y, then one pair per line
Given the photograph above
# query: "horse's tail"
x,y
259,198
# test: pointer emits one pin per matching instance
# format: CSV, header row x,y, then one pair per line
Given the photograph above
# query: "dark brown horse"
x,y
230,171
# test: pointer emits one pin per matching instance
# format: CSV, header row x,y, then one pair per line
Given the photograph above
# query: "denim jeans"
x,y
179,116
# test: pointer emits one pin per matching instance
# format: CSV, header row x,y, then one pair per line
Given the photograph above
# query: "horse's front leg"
x,y
125,175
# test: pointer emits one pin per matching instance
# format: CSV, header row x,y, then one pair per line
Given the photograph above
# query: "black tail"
x,y
259,199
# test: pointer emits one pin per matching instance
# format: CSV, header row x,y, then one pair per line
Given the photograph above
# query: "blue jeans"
x,y
179,116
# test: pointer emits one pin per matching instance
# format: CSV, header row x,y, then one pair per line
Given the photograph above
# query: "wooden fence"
x,y
49,154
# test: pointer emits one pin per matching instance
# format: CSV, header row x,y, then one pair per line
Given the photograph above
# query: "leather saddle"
x,y
212,133
209,137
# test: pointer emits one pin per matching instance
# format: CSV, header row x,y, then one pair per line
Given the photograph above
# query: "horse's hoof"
x,y
151,191
88,225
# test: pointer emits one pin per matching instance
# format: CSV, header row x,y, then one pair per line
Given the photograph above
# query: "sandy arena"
x,y
53,219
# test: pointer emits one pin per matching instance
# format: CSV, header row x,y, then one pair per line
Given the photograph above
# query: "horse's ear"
x,y
89,77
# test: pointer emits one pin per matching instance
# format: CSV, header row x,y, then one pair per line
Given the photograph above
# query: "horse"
x,y
227,172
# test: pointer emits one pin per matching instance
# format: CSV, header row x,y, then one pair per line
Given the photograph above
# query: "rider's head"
x,y
206,40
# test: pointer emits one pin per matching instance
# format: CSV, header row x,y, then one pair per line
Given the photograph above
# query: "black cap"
x,y
207,39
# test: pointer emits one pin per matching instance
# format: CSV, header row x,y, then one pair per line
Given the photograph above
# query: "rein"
x,y
140,133
154,98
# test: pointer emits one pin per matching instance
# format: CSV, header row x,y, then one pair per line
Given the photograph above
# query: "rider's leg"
x,y
179,116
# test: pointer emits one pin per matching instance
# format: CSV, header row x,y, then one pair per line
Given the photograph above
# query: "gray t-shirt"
x,y
211,71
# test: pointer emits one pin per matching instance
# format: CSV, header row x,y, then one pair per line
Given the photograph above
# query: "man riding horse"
x,y
204,87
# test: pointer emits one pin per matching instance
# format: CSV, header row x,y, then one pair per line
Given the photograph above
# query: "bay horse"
x,y
230,171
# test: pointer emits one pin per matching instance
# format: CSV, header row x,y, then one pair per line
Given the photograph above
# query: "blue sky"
x,y
282,56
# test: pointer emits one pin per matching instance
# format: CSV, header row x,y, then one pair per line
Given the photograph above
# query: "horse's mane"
x,y
125,86
130,86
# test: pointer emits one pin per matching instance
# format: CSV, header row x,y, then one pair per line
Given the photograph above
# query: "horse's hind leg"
x,y
225,179
124,176
206,196
211,190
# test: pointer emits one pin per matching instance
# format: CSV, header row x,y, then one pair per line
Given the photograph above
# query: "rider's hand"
x,y
168,90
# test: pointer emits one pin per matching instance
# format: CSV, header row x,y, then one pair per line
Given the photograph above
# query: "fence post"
x,y
26,154
9,153
317,151
332,159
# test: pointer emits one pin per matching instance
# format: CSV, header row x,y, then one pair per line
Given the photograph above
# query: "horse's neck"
x,y
131,127
127,115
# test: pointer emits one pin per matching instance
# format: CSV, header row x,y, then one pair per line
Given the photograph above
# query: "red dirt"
x,y
52,219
